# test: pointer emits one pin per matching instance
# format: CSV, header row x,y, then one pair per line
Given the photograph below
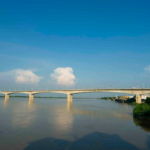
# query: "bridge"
x,y
137,92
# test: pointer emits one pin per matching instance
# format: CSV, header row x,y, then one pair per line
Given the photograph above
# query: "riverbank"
x,y
120,100
142,111
107,98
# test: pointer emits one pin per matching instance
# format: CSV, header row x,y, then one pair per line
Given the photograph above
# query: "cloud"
x,y
19,76
64,76
26,76
147,68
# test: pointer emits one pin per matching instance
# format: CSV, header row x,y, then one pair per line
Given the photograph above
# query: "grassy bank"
x,y
142,111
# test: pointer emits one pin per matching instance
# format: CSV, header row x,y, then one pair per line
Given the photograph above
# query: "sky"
x,y
76,44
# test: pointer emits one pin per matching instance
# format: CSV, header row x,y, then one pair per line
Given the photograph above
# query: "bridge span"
x,y
137,92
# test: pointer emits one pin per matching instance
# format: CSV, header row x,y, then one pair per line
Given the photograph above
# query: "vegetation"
x,y
134,103
107,98
130,100
142,111
147,100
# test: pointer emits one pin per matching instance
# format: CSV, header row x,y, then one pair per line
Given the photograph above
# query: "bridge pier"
x,y
31,97
6,97
138,98
69,97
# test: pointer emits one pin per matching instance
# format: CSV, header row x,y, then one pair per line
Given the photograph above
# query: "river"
x,y
84,124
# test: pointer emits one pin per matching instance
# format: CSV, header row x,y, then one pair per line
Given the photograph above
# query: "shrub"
x,y
130,100
141,110
134,103
147,100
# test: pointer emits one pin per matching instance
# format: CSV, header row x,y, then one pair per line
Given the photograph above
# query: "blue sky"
x,y
104,42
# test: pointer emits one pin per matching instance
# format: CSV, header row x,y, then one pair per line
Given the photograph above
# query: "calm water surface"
x,y
54,124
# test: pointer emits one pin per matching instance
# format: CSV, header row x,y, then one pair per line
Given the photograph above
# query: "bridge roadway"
x,y
137,92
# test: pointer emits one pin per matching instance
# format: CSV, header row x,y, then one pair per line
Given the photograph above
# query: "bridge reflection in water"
x,y
6,102
76,110
70,121
145,125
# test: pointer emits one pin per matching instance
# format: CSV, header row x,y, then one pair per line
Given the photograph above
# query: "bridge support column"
x,y
69,97
138,98
31,97
6,97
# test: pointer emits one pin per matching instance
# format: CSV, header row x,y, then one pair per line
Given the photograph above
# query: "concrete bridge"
x,y
137,92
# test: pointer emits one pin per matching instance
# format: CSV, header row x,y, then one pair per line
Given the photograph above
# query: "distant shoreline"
x,y
53,97
107,98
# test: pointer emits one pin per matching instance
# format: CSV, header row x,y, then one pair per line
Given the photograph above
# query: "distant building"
x,y
130,96
145,96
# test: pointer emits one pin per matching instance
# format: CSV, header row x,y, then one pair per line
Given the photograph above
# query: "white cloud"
x,y
26,76
64,76
147,68
18,79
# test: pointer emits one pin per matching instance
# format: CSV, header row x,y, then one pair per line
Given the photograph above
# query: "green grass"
x,y
142,110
